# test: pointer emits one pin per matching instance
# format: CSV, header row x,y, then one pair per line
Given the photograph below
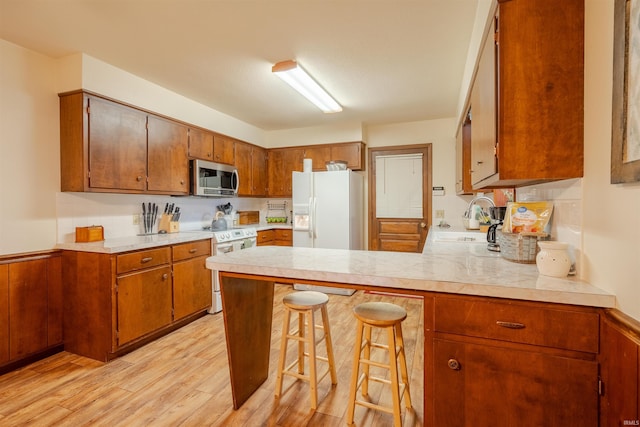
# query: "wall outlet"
x,y
136,219
440,213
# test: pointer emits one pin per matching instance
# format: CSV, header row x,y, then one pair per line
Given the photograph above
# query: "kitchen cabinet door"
x,y
350,152
282,162
539,81
200,144
319,155
223,149
243,164
4,314
117,146
483,162
144,303
191,287
251,162
28,308
486,385
167,153
463,157
259,179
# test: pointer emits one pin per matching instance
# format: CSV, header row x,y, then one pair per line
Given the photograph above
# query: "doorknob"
x,y
423,225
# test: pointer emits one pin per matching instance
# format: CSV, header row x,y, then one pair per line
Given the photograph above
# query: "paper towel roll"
x,y
307,165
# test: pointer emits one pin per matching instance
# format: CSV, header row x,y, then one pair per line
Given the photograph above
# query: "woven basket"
x,y
519,247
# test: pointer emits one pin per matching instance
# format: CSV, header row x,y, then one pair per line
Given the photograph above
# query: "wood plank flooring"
x,y
182,379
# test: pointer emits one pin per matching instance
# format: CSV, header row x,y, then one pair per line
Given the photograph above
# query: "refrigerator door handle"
x,y
311,217
313,225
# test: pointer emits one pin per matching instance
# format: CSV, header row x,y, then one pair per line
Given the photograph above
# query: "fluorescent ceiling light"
x,y
297,78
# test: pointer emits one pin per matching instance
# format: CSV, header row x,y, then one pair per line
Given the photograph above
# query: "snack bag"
x,y
530,217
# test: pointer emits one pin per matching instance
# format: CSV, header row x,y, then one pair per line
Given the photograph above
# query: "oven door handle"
x,y
224,249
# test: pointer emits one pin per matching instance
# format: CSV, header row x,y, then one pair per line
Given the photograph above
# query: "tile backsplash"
x,y
115,212
566,221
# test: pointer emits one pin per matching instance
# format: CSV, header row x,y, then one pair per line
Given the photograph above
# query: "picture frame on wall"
x,y
625,132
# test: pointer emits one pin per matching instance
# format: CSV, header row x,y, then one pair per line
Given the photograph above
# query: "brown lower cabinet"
x,y
506,363
275,237
30,306
116,302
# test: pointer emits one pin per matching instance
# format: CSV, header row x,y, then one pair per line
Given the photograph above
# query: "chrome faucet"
x,y
468,213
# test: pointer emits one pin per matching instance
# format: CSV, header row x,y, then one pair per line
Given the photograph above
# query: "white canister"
x,y
553,259
307,165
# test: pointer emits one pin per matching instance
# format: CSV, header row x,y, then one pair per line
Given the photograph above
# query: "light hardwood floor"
x,y
182,379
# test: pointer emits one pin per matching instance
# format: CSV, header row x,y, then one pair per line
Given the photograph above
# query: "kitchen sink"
x,y
459,237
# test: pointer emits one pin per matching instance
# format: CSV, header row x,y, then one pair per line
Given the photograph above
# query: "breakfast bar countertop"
x,y
442,267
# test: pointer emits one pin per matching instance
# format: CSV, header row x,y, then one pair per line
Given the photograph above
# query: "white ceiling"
x,y
385,61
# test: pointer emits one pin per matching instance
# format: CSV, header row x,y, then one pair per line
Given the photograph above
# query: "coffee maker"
x,y
497,216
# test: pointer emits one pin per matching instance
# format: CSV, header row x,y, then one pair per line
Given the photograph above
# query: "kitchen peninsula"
x,y
540,332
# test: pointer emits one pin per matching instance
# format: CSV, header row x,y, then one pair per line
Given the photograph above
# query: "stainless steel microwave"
x,y
213,179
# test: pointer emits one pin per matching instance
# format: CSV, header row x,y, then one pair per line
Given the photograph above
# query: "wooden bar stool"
x,y
390,317
306,303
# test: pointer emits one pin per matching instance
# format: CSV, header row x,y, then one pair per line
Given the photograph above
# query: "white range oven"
x,y
225,241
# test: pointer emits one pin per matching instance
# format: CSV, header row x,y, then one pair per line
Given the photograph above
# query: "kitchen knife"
x,y
144,217
155,215
166,208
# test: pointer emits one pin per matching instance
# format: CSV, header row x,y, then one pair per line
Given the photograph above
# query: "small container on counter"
x,y
553,259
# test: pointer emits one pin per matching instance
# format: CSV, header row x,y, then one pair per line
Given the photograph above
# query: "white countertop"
x,y
132,243
458,268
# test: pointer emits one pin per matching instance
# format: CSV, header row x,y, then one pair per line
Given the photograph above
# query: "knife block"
x,y
164,225
174,226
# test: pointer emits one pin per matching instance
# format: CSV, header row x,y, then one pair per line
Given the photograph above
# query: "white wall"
x,y
29,150
611,212
441,135
343,132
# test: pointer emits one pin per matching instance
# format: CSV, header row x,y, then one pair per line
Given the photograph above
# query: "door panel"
x,y
27,308
402,225
144,303
117,146
168,161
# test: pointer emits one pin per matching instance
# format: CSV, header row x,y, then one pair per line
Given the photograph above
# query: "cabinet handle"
x,y
454,364
182,182
164,276
510,325
146,260
138,178
479,162
193,251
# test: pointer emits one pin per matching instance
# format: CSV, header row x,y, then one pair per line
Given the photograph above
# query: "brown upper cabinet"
x,y
251,162
281,163
223,149
200,144
527,98
167,161
463,157
350,152
106,146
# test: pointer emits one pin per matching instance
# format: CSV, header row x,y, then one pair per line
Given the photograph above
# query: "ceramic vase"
x,y
553,259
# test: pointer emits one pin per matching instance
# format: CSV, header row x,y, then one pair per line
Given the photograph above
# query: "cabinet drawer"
x,y
142,259
537,324
191,250
265,237
283,234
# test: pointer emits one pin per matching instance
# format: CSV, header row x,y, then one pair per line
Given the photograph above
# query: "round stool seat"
x,y
380,313
305,300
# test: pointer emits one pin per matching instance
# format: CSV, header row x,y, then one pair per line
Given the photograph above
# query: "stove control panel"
x,y
234,234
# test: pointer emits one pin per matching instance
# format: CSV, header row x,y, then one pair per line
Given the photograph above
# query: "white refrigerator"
x,y
328,213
